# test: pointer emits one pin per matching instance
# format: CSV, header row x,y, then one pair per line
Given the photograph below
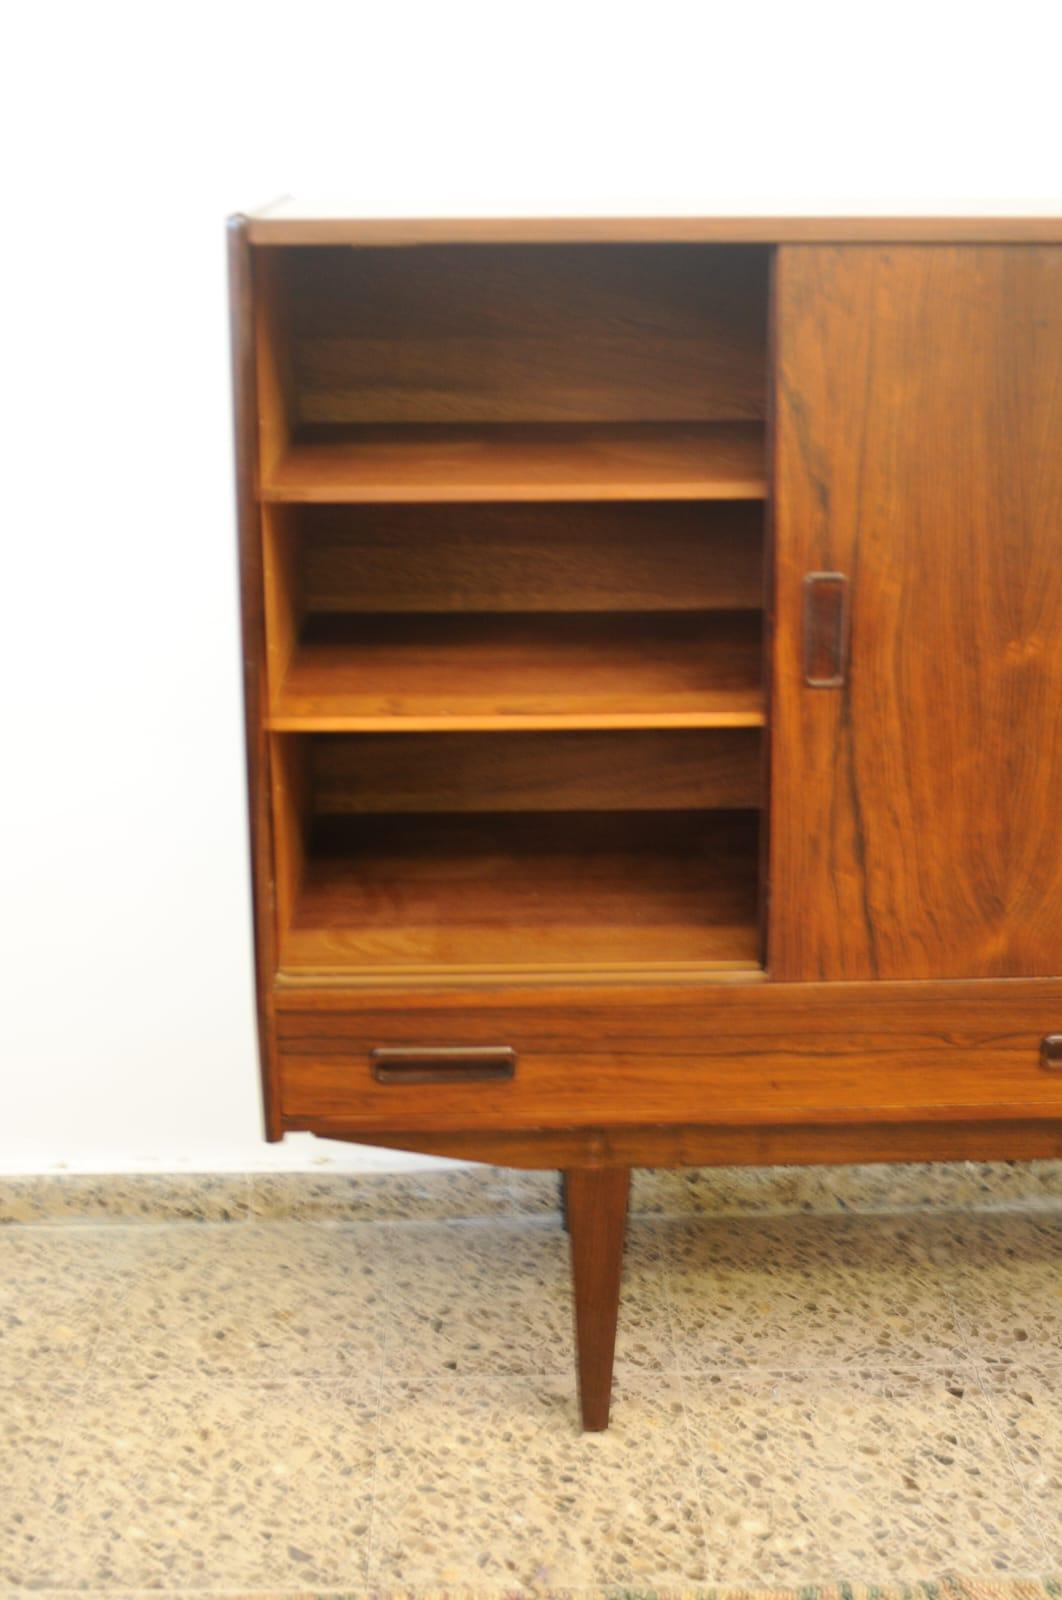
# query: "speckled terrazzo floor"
x,y
812,1396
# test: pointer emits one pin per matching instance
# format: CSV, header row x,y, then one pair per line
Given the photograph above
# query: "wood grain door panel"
x,y
916,819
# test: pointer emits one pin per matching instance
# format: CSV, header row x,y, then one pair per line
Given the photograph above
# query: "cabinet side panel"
x,y
241,293
916,805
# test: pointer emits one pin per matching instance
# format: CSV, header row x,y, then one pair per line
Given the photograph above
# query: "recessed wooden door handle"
x,y
825,629
443,1064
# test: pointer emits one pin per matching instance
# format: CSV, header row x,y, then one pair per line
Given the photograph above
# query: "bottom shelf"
x,y
527,891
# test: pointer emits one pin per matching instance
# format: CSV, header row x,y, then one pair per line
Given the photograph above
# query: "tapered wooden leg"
x,y
563,1176
597,1220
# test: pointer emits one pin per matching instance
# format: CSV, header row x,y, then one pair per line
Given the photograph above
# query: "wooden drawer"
x,y
740,1053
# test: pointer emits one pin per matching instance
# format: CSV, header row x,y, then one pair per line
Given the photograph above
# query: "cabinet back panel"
x,y
635,333
917,808
637,557
633,770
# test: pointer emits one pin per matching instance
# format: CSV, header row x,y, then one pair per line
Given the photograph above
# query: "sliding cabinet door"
x,y
916,815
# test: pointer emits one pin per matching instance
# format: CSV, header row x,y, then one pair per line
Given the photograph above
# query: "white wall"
x,y
134,129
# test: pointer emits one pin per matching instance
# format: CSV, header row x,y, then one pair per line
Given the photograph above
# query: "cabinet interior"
x,y
512,509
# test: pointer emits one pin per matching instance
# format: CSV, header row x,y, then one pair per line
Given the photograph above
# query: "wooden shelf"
x,y
579,891
481,673
604,461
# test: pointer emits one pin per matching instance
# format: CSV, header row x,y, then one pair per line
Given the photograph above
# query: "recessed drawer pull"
x,y
443,1064
1051,1052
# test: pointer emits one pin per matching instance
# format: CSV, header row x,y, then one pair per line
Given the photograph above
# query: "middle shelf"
x,y
362,673
603,461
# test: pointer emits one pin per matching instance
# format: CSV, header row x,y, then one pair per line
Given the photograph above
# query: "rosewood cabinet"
x,y
653,648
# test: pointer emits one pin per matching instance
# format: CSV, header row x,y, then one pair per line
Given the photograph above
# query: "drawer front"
x,y
757,1053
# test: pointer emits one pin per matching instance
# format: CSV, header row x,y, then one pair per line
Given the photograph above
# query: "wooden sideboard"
x,y
653,654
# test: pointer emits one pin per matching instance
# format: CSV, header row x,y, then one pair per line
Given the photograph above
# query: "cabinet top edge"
x,y
285,223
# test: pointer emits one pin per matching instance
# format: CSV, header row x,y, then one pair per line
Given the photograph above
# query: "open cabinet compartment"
x,y
512,512
407,852
492,615
521,372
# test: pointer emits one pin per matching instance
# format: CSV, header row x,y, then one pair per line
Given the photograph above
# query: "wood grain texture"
x,y
462,672
632,770
282,591
511,334
696,1053
600,461
904,408
252,627
290,795
525,891
293,226
269,305
676,1145
641,556
916,811
596,1219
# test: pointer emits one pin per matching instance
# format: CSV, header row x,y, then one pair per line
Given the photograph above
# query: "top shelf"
x,y
644,461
